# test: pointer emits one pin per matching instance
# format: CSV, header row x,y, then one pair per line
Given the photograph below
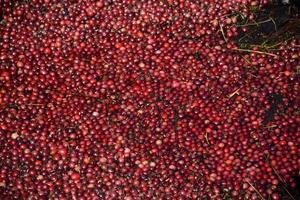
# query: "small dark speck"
x,y
98,78
197,56
65,12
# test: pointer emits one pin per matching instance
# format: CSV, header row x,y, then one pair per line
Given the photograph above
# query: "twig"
x,y
271,126
283,181
206,138
254,51
105,61
255,23
266,46
222,31
274,23
237,13
234,93
247,61
256,190
252,75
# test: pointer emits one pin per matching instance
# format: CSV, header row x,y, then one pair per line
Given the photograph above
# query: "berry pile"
x,y
143,99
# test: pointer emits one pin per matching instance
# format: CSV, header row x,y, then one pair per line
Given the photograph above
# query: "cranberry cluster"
x,y
143,99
